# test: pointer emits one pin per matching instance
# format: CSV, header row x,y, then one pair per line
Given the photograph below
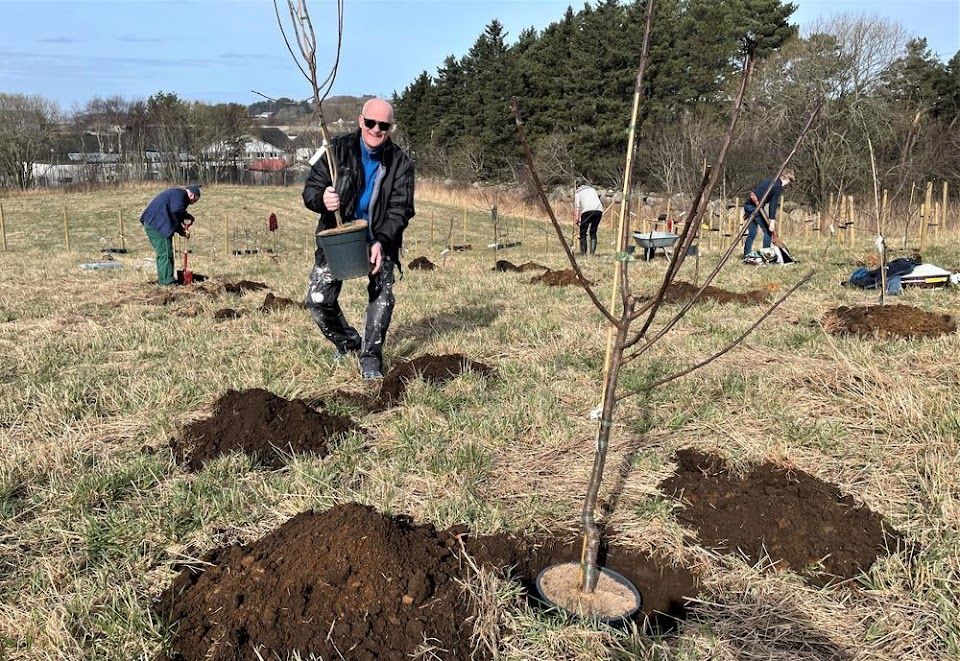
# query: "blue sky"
x,y
70,51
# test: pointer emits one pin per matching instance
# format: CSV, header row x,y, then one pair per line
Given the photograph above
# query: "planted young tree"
x,y
625,345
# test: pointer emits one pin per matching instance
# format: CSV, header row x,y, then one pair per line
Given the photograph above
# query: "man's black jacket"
x,y
392,201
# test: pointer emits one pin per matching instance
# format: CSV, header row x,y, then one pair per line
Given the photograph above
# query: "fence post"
x,y
943,207
66,229
928,208
3,229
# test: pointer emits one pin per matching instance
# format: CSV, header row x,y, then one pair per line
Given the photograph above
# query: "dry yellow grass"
x,y
94,381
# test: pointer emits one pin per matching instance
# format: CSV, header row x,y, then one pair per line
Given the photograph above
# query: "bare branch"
x,y
732,345
553,218
733,245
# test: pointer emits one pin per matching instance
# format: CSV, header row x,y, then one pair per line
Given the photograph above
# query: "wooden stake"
x,y
923,225
226,236
3,229
123,239
464,226
66,229
927,215
431,227
937,220
884,208
943,207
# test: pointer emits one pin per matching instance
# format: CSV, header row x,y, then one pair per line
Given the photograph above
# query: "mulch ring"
x,y
506,266
351,583
243,286
790,516
421,264
887,321
557,278
273,303
260,424
681,292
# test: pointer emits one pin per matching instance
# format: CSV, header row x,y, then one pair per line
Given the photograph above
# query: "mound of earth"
x,y
243,286
260,424
681,292
506,266
273,303
790,516
556,278
225,314
422,264
887,321
532,266
351,583
434,369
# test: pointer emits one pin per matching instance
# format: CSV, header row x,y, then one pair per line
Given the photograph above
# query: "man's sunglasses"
x,y
370,123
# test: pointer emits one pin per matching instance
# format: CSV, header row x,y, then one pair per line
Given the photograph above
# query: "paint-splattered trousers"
x,y
321,299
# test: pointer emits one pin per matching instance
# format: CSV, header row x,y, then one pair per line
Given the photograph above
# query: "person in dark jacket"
x,y
375,183
772,203
165,215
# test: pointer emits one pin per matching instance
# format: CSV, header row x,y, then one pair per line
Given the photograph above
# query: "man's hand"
x,y
186,232
330,199
376,257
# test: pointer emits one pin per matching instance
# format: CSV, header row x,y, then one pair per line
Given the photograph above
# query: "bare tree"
x,y
28,125
625,346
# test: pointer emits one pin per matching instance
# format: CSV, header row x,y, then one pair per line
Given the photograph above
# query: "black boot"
x,y
583,246
593,245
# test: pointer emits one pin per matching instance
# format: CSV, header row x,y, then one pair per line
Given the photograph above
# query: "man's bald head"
x,y
375,122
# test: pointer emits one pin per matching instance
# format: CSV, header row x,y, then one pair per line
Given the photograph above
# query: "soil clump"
x,y
506,266
433,369
421,264
353,583
260,424
557,278
273,303
225,314
887,321
796,520
243,286
681,292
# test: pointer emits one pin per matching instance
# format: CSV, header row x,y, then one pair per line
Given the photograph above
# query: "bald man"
x,y
375,183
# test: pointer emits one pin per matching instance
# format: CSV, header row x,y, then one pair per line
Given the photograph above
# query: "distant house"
x,y
82,157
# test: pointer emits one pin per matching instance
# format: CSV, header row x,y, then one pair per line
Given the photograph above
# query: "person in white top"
x,y
587,211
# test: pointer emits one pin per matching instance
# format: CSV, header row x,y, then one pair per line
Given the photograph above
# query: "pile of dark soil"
x,y
434,369
351,583
887,321
273,303
421,264
681,292
243,286
509,267
556,278
225,314
261,425
790,516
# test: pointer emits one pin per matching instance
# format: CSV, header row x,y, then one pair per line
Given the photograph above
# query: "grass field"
x,y
95,514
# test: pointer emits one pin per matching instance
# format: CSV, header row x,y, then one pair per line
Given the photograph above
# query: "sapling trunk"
x,y
589,569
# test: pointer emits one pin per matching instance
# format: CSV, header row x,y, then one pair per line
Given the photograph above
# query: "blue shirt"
x,y
167,211
371,163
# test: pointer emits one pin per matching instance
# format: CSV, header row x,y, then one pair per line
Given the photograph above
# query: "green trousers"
x,y
163,246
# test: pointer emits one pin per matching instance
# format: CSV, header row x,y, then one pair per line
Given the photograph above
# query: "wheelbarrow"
x,y
651,242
